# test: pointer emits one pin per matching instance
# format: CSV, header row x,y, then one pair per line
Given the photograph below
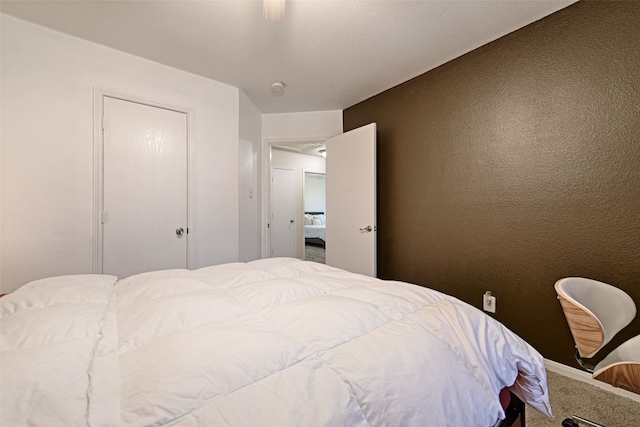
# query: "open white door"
x,y
351,200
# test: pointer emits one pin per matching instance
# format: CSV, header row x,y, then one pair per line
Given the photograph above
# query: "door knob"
x,y
368,229
179,231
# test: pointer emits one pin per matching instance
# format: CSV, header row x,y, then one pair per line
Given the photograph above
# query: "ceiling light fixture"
x,y
273,9
323,152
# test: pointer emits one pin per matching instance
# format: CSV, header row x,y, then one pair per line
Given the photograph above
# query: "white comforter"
x,y
275,342
315,231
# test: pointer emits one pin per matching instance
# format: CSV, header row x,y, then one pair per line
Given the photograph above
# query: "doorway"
x,y
144,191
315,210
299,157
351,203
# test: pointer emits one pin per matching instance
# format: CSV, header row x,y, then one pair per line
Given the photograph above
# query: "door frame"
x,y
267,146
98,171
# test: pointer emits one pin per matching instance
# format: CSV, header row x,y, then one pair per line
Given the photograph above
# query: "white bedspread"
x,y
275,342
315,231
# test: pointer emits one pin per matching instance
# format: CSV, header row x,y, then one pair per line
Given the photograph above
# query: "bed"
x,y
273,342
315,228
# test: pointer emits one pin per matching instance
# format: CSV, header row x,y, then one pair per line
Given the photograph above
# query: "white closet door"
x,y
283,212
145,188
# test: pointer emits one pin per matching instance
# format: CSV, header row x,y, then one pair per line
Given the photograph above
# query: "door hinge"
x,y
102,123
103,217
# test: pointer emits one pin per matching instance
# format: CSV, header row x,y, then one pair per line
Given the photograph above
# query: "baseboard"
x,y
583,376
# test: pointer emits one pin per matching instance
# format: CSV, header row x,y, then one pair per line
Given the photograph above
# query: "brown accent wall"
x,y
516,165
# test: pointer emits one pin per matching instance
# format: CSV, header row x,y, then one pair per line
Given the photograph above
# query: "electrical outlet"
x,y
489,302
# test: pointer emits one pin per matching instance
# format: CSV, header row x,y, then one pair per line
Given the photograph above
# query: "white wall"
x,y
300,163
291,127
249,183
315,193
47,81
301,126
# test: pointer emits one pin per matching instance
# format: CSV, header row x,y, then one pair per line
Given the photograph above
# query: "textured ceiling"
x,y
330,54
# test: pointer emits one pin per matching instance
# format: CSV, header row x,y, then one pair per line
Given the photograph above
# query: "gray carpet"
x,y
314,253
572,397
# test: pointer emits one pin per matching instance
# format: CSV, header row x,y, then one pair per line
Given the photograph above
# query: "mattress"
x,y
274,342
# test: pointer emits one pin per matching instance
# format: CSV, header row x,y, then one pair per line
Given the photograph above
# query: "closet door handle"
x,y
179,231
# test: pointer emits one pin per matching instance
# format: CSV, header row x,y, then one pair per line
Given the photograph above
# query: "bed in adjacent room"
x,y
273,342
315,228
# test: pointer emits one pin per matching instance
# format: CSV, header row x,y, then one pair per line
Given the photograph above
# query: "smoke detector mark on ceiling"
x,y
277,88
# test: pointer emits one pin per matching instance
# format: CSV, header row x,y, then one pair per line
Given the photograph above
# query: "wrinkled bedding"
x,y
274,342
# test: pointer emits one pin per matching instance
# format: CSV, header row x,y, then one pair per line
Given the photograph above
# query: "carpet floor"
x,y
573,397
314,253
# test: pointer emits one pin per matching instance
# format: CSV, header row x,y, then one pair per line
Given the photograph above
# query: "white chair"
x,y
596,312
